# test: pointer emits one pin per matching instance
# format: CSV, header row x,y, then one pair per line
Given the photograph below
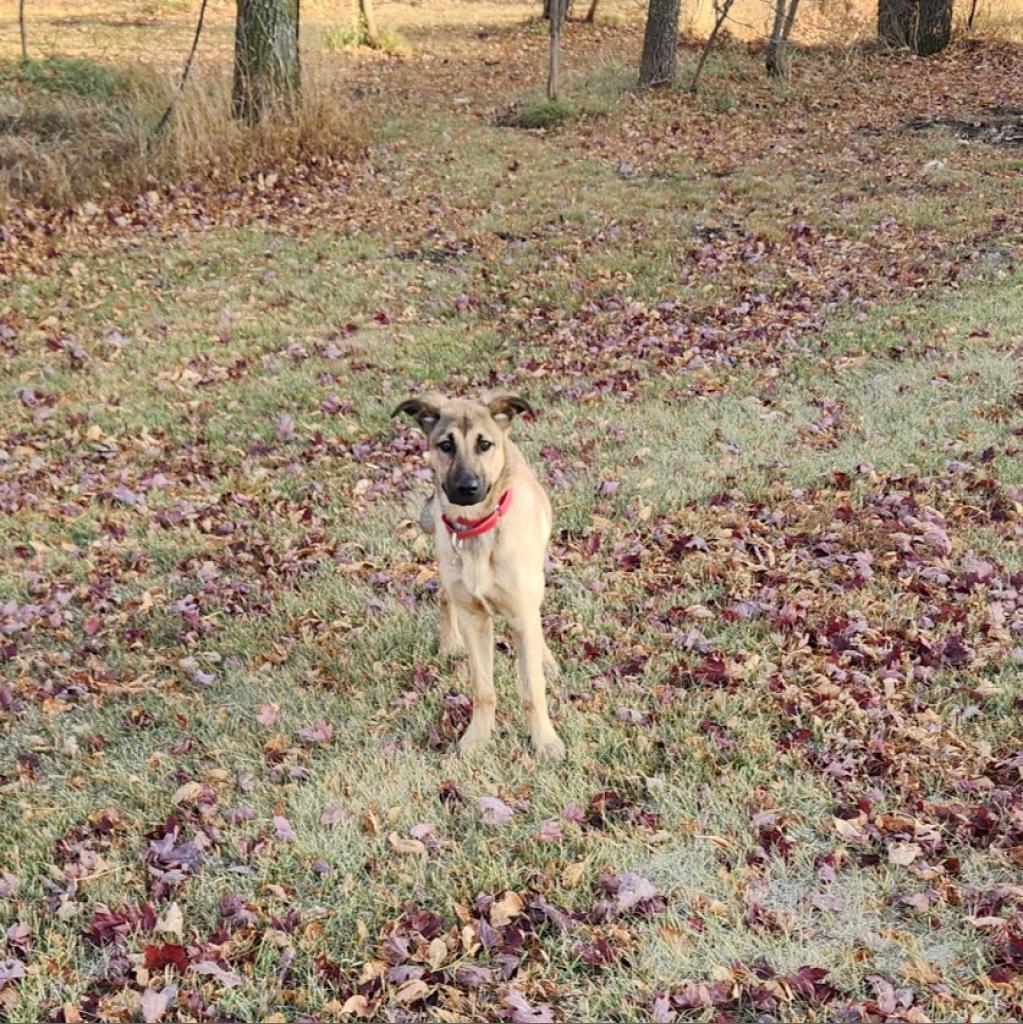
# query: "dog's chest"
x,y
470,564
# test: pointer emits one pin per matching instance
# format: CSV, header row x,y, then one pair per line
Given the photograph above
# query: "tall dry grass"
x,y
76,130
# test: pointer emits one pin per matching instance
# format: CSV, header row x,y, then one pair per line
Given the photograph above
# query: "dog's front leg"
x,y
450,635
477,630
530,651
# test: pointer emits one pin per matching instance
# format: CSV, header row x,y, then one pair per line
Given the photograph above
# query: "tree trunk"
x,y
591,14
776,58
893,21
267,76
790,20
660,42
934,28
365,21
557,19
925,26
566,9
21,29
720,15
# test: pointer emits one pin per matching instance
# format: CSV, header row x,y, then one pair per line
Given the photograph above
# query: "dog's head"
x,y
466,440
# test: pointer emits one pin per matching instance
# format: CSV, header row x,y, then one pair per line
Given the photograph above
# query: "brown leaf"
x,y
506,909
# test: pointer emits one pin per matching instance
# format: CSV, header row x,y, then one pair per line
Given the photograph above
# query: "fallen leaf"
x,y
904,853
283,829
187,791
494,811
506,909
171,921
268,714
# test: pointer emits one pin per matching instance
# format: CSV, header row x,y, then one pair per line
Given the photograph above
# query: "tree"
x,y
925,26
21,29
162,123
557,10
365,22
267,75
721,9
660,42
566,9
776,58
969,17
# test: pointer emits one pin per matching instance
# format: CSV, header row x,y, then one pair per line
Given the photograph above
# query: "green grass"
x,y
330,618
351,37
67,75
546,113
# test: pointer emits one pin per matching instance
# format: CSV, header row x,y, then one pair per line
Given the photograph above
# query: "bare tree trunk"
x,y
365,21
776,59
370,18
721,15
790,19
971,16
267,74
591,14
925,26
894,20
934,31
21,29
557,18
660,43
162,123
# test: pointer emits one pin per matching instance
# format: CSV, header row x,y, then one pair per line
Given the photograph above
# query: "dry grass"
x,y
77,122
210,439
74,129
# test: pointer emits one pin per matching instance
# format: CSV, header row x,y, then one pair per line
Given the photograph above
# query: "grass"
x,y
69,75
539,114
459,249
74,129
67,123
350,37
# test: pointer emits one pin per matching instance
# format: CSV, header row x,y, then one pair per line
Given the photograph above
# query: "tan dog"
x,y
491,521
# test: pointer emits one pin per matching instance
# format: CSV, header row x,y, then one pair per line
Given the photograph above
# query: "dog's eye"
x,y
446,446
483,445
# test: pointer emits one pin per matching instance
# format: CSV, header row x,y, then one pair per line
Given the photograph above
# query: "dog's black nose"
x,y
467,489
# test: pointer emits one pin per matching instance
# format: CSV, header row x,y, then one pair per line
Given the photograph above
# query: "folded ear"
x,y
425,411
504,407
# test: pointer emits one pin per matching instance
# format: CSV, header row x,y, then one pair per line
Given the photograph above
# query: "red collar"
x,y
463,529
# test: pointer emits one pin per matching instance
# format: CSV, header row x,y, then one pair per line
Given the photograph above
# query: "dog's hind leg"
x,y
551,668
530,651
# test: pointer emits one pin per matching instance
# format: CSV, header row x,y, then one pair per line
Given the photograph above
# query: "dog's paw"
x,y
473,741
549,746
451,648
551,668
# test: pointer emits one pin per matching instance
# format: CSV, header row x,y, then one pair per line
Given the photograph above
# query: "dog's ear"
x,y
504,407
425,411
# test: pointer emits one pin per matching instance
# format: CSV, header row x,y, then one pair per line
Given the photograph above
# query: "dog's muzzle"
x,y
466,490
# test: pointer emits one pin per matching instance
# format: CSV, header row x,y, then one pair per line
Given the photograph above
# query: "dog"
x,y
491,521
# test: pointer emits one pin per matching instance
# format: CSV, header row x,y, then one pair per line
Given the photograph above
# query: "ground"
x,y
772,333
